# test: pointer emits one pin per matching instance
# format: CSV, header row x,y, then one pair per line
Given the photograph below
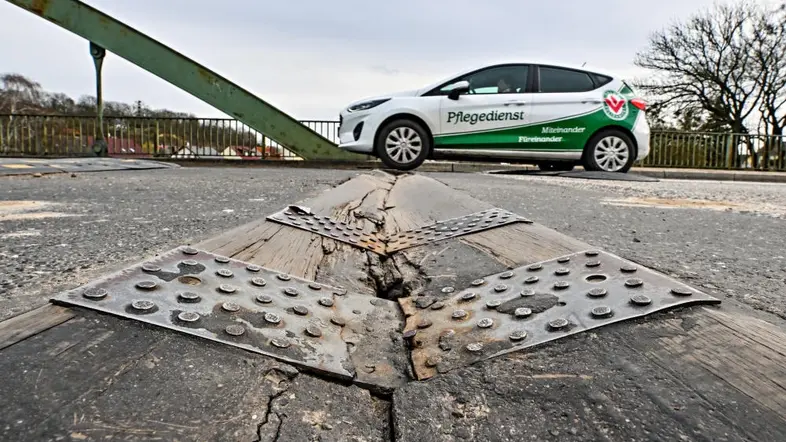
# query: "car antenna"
x,y
584,64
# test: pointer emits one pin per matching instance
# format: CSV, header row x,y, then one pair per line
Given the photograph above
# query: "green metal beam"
x,y
186,74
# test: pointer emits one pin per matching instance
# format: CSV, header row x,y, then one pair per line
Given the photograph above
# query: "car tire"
x,y
610,150
403,144
556,166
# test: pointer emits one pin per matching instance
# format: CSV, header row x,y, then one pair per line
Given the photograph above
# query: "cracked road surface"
x,y
61,231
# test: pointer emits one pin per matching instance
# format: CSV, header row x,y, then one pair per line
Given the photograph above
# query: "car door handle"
x,y
515,103
592,100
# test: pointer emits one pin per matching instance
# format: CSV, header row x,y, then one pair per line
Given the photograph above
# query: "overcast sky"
x,y
311,57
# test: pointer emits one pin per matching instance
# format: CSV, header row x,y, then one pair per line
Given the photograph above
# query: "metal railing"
x,y
58,136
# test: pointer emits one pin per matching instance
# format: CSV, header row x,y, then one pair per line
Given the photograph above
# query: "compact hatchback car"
x,y
549,115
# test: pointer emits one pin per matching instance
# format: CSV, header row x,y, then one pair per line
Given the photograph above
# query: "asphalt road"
x,y
58,231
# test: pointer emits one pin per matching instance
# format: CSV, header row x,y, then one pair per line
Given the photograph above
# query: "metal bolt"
x,y
226,288
459,314
253,268
326,302
314,286
280,342
597,293
146,285
535,267
601,311
300,310
518,335
190,251
628,269
475,347
291,291
264,299
592,253
526,293
448,290
506,275
259,282
142,305
438,305
221,259
188,316
531,280
563,260
634,282
485,323
469,296
478,282
235,330
339,291
424,323
283,277
592,264
150,268
95,293
499,288
224,273
678,291
338,321
522,312
640,300
493,303
188,297
562,271
230,306
313,331
559,323
190,262
272,318
561,285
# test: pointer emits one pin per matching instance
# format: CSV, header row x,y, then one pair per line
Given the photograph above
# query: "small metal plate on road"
x,y
534,304
356,235
451,228
359,236
247,306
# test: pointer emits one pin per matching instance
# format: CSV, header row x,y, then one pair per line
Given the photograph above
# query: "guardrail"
x,y
57,136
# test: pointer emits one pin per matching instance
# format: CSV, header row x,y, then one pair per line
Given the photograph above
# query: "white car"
x,y
554,116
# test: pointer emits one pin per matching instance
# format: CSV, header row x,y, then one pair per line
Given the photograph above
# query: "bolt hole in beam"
x,y
596,278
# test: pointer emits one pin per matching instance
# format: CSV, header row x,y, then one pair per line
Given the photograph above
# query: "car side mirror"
x,y
461,87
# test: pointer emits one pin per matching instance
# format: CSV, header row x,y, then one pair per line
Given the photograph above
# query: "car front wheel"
x,y
403,144
609,151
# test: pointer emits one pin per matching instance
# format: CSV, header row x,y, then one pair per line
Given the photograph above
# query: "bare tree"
x,y
708,66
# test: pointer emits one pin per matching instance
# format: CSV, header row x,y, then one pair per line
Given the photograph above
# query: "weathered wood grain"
x,y
20,327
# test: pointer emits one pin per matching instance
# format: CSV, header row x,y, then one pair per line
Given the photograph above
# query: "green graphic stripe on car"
x,y
564,134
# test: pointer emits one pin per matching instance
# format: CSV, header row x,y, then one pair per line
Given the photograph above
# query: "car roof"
x,y
543,62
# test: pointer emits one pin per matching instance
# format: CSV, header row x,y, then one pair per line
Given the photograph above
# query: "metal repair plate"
x,y
534,304
243,305
451,228
302,218
356,235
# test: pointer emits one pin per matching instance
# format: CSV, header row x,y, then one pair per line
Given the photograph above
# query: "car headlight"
x,y
366,105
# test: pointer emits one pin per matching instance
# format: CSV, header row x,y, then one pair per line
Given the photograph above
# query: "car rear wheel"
x,y
609,151
403,144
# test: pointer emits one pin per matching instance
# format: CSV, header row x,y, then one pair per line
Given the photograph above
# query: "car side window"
x,y
556,80
496,80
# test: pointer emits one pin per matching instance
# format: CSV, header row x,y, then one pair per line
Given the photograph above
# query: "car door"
x,y
566,108
486,116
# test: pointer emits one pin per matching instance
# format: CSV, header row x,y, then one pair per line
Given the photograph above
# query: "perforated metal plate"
x,y
248,306
534,304
451,228
359,236
356,235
